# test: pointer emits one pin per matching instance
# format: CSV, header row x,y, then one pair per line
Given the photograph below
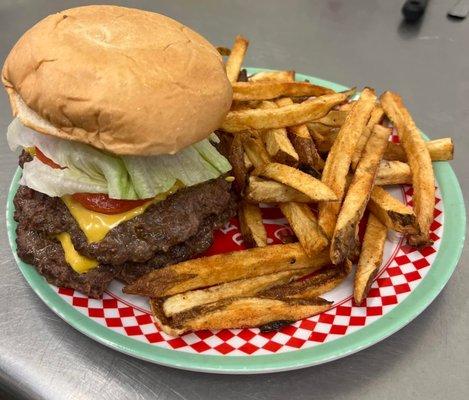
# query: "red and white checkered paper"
x,y
402,270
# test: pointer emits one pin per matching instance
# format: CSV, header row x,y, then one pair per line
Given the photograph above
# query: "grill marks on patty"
x,y
167,232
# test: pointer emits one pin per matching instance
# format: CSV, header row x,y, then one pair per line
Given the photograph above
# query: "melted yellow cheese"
x,y
96,225
78,262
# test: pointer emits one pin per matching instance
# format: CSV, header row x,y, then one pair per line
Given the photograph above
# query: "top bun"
x,y
124,80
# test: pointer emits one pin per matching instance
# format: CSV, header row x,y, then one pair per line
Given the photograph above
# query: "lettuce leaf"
x,y
121,177
59,182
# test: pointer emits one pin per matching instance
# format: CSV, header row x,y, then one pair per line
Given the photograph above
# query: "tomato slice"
x,y
46,160
102,203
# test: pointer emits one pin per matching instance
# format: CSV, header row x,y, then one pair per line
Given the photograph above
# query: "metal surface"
x,y
351,42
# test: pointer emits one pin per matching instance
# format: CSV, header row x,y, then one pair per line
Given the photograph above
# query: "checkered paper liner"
x,y
402,270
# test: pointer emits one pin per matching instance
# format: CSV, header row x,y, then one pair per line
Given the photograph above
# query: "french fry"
x,y
242,105
346,229
236,58
279,147
340,156
277,143
423,178
236,158
255,150
252,227
334,118
276,76
347,106
393,173
439,150
315,285
237,312
222,268
306,228
267,191
268,90
391,212
375,118
323,136
306,149
371,258
243,287
312,187
302,142
296,114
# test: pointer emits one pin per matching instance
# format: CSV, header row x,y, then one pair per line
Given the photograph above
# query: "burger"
x,y
114,113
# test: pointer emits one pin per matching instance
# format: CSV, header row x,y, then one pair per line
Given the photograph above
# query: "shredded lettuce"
x,y
121,177
59,182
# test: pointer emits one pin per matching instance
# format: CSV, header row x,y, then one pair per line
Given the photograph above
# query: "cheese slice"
x,y
96,225
78,262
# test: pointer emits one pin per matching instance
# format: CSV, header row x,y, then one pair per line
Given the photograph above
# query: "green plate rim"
x,y
445,262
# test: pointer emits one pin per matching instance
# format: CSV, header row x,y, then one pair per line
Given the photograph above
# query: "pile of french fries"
x,y
323,159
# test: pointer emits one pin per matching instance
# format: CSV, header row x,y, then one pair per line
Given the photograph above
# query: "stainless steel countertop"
x,y
355,42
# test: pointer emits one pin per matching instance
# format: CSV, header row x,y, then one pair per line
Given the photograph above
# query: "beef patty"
x,y
170,231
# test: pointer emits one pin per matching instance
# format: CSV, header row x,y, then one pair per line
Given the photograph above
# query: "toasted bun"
x,y
120,79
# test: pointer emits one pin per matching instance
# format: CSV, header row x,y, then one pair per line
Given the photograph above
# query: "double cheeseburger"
x,y
114,113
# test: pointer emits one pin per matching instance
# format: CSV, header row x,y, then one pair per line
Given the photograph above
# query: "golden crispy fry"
x,y
298,180
252,227
305,148
277,143
295,114
255,150
340,156
391,212
317,284
371,258
243,287
279,147
236,157
375,118
222,268
423,179
334,118
302,142
279,76
346,229
236,58
347,106
245,91
305,225
393,173
323,136
439,149
237,312
267,191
